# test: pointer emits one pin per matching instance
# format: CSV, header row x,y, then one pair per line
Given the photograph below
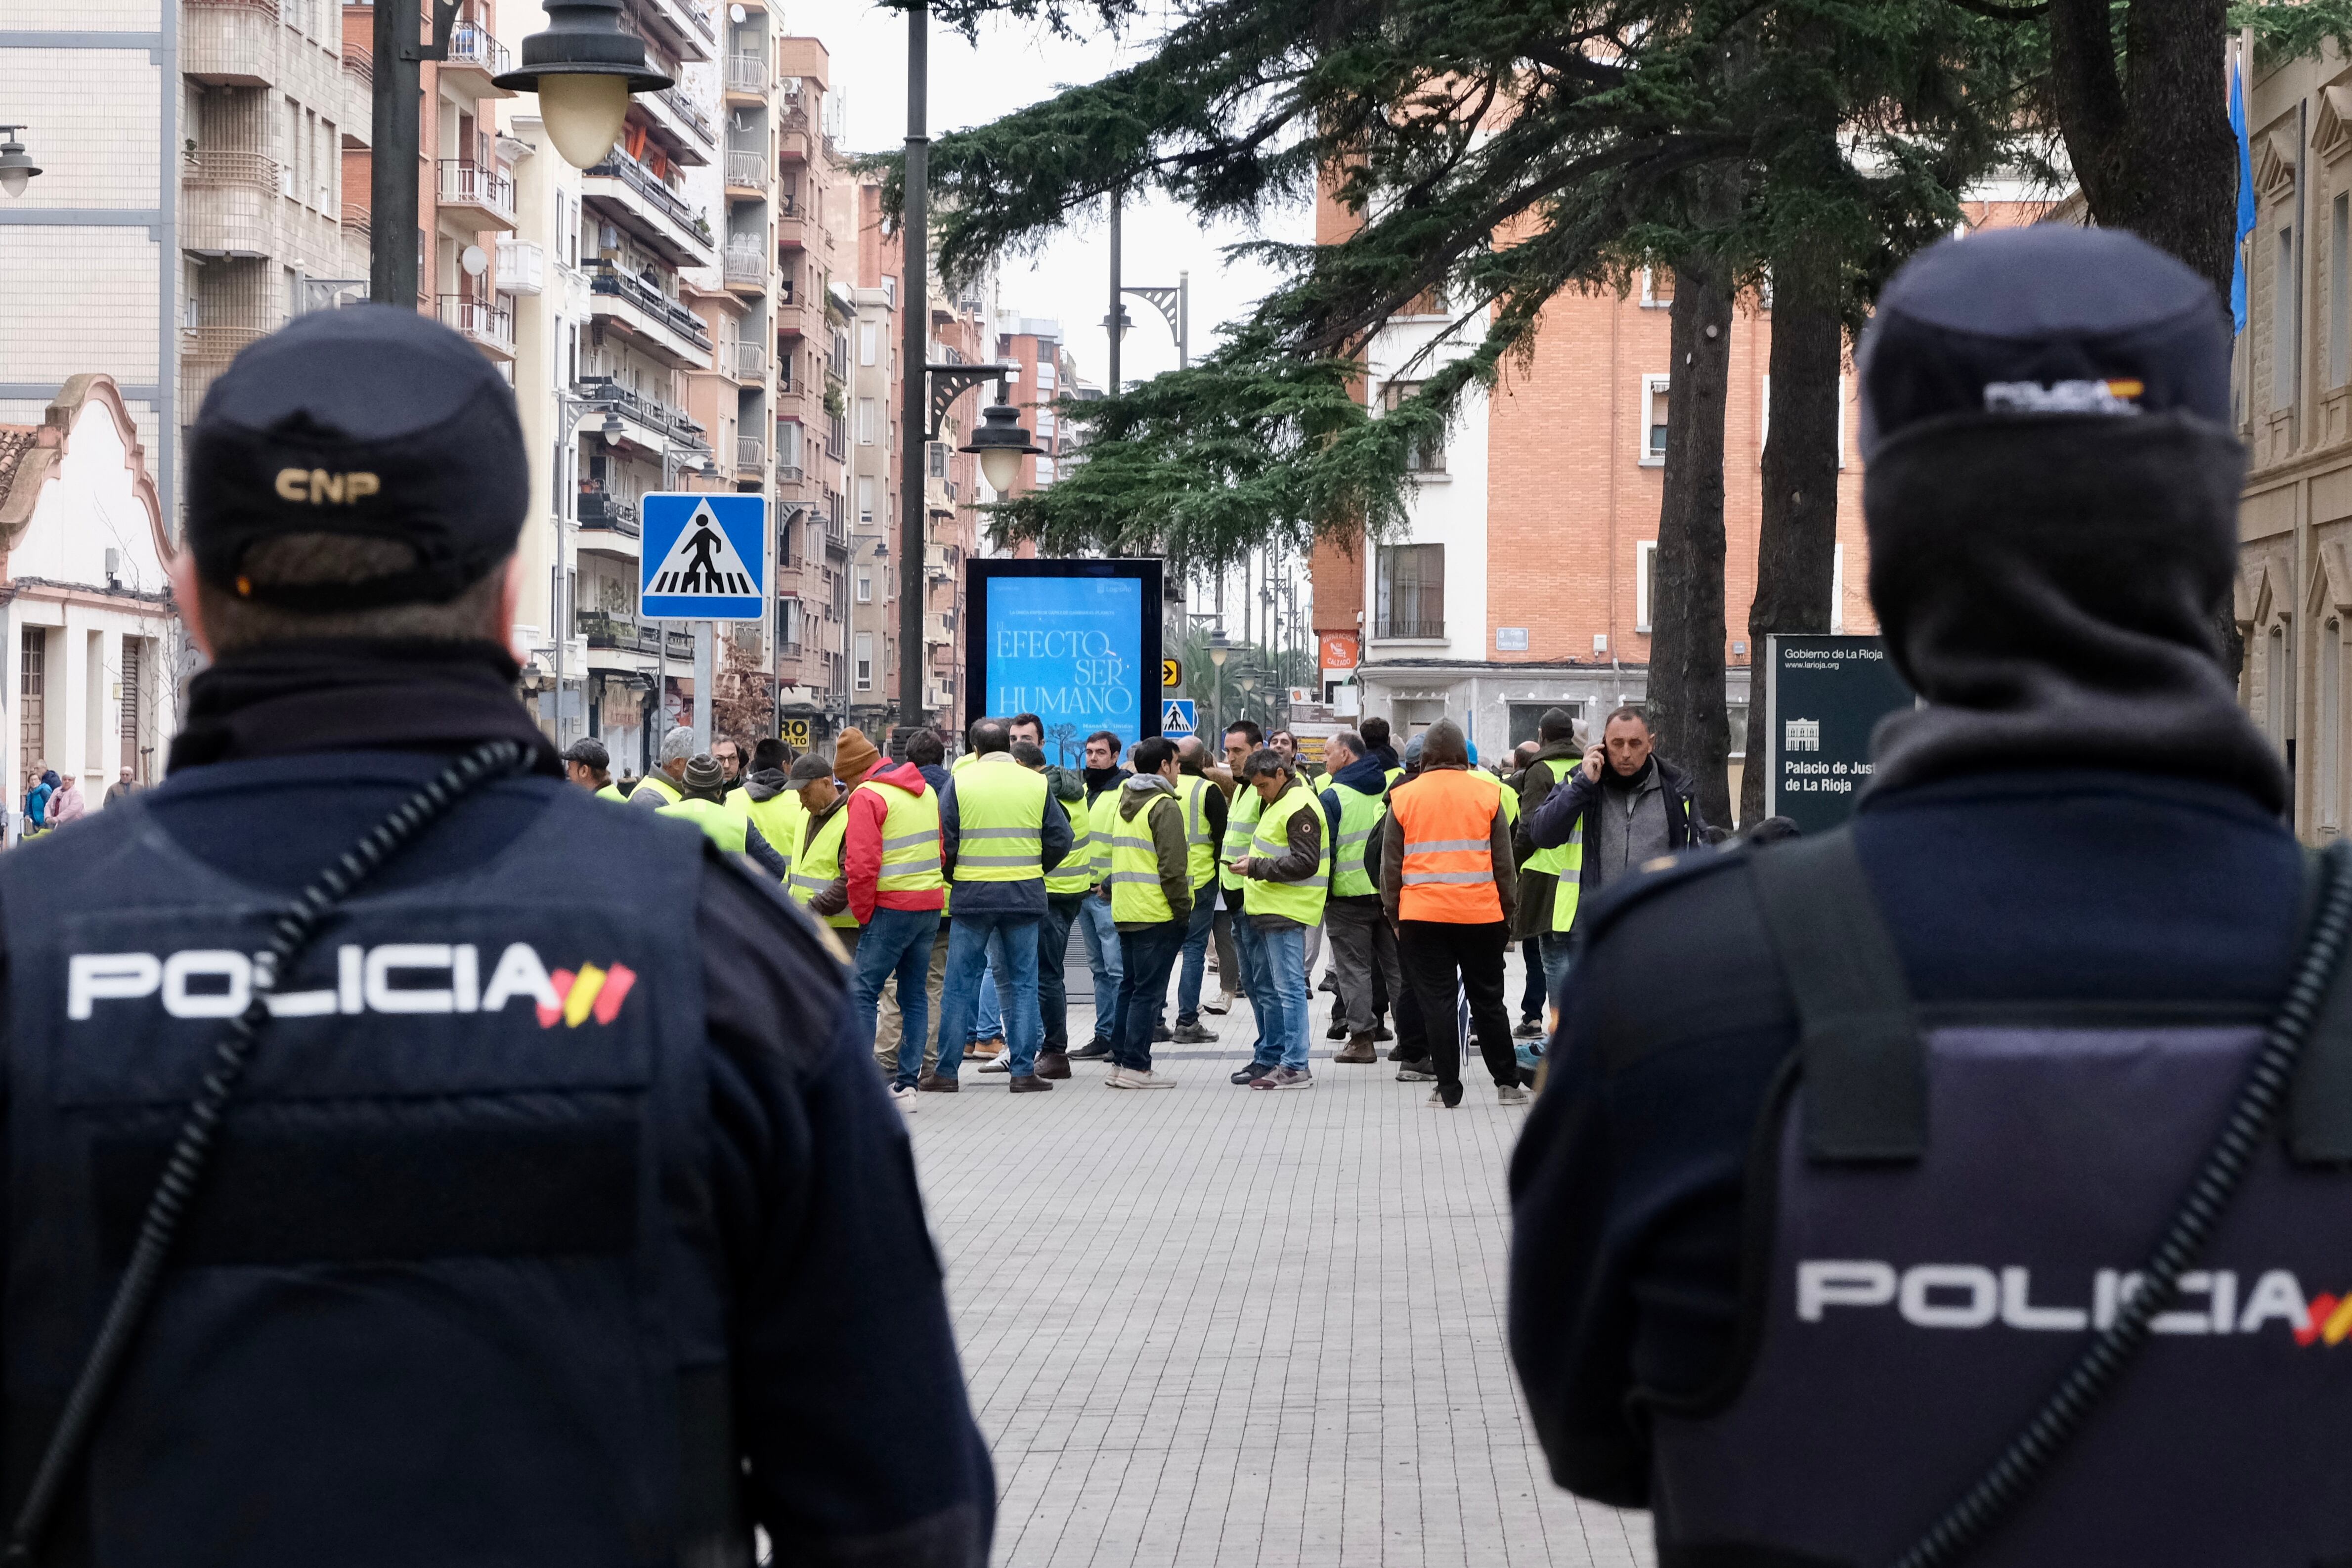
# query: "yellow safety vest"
x,y
1241,821
1392,775
816,862
778,817
1199,851
1103,816
1564,861
1360,818
720,825
911,840
1075,874
659,784
1300,901
1000,822
612,792
1511,797
1135,891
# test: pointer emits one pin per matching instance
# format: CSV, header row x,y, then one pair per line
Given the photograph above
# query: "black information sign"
x,y
1822,697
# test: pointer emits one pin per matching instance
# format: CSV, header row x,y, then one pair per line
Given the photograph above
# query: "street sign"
x,y
1176,716
1822,697
793,733
1172,673
706,557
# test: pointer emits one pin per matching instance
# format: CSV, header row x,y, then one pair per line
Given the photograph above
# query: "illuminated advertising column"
x,y
1075,642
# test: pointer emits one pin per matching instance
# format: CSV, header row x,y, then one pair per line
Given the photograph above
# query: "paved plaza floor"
x,y
1210,1325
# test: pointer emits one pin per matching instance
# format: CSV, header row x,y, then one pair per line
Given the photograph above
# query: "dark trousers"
x,y
1053,945
1147,957
1440,959
1364,954
1531,994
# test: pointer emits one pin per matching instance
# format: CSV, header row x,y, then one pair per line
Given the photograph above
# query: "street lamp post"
x,y
16,167
914,324
560,607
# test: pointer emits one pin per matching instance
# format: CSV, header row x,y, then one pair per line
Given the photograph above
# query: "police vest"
x,y
1135,891
722,827
1958,1207
778,817
911,840
816,863
1102,815
1270,840
1564,861
1360,818
1000,823
454,1211
1200,849
659,783
1075,873
1445,818
1241,824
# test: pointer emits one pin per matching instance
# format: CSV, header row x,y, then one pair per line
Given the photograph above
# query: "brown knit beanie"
x,y
853,755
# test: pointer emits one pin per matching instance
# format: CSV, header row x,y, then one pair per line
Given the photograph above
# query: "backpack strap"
x,y
1864,1065
2319,1106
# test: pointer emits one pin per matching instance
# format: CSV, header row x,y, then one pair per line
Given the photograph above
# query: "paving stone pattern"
x,y
1210,1325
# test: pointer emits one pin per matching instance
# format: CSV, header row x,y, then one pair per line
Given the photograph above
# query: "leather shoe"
x,y
1380,1032
932,1083
1358,1049
1094,1050
1030,1083
1337,1031
1052,1064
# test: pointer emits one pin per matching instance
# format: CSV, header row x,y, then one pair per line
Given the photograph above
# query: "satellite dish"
x,y
473,261
735,14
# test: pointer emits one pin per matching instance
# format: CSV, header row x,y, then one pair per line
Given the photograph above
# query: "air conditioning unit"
x,y
935,629
937,698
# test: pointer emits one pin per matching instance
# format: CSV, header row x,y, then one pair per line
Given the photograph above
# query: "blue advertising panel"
x,y
1075,642
704,557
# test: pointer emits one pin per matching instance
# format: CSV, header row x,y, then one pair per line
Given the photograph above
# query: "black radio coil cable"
x,y
2031,1452
294,930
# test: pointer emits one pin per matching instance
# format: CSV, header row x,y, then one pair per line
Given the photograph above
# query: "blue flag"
x,y
2245,199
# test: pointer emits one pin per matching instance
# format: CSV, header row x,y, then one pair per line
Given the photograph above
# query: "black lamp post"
x,y
1001,443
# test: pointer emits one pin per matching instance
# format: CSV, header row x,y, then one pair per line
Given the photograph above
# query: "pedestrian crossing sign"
x,y
704,557
1176,716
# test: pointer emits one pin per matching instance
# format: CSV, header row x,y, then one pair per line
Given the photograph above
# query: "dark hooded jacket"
x,y
1367,775
1578,803
1550,768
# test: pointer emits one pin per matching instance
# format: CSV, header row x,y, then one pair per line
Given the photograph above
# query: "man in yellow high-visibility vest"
x,y
1203,805
1363,943
1285,876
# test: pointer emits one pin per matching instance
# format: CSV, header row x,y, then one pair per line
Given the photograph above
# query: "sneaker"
x,y
1222,1006
1115,1078
1338,1029
1396,1052
1030,1083
1144,1077
1052,1064
983,1050
1511,1094
1252,1073
1416,1072
903,1096
1193,1035
1437,1100
1530,1029
1356,1050
932,1083
1001,1064
1097,1051
1529,1056
1161,1035
1285,1078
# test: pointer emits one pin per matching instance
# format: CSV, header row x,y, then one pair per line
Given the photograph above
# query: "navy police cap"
x,y
370,422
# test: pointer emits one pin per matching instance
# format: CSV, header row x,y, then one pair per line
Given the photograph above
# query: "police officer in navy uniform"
x,y
1861,1138
558,1217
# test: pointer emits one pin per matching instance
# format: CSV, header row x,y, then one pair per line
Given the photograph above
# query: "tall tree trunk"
x,y
1796,547
1685,686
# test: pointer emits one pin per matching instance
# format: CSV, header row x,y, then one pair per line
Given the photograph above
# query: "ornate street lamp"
x,y
16,167
584,67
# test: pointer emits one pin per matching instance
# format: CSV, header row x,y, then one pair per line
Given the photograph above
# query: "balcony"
x,y
751,452
684,28
216,345
792,226
660,423
751,361
475,57
658,324
792,319
747,175
629,192
1410,631
476,195
230,43
229,203
522,267
359,62
608,514
488,326
356,221
747,268
748,78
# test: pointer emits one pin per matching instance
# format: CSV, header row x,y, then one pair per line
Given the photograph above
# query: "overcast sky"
x,y
1012,65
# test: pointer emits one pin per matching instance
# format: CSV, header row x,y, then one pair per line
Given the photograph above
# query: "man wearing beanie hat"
x,y
1985,1037
497,1118
704,803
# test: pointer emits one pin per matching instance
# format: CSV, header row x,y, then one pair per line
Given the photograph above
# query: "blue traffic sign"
x,y
1176,716
706,557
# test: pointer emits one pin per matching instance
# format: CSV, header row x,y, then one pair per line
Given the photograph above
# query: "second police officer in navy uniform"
x,y
1831,1222
555,1215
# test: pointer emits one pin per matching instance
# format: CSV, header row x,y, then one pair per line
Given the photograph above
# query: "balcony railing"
x,y
638,177
356,219
269,6
788,473
223,166
470,44
747,73
475,184
358,60
608,631
479,319
645,410
751,361
690,113
653,303
601,509
747,264
750,452
217,342
747,169
1425,630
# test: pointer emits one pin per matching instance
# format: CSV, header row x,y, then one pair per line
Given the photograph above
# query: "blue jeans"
x,y
1146,957
1196,951
1053,944
1284,969
1556,960
1249,946
897,942
1009,942
1102,956
987,1022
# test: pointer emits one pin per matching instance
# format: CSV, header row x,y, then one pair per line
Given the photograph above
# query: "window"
x,y
292,142
2339,293
1654,419
866,501
788,622
2331,708
2283,324
1424,454
1045,376
1411,591
331,169
866,412
1837,587
869,334
2275,703
865,585
788,443
1527,716
1657,288
1045,425
939,459
1044,470
1645,573
864,662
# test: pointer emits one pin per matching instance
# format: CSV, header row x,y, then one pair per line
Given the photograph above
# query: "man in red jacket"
x,y
890,858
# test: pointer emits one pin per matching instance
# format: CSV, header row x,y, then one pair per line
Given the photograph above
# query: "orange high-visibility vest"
x,y
1446,818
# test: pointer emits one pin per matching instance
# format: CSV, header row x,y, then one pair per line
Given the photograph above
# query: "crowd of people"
x,y
952,891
